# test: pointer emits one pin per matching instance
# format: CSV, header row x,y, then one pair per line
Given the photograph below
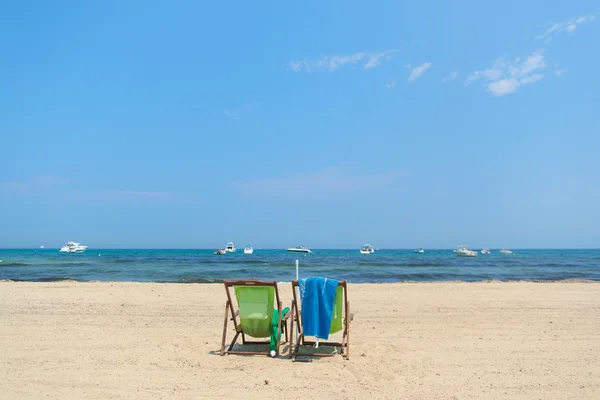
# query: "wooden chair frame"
x,y
297,319
229,307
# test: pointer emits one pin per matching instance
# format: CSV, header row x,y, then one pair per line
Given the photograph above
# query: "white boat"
x,y
41,247
419,251
73,247
299,249
248,250
463,251
220,252
485,251
230,248
367,249
505,251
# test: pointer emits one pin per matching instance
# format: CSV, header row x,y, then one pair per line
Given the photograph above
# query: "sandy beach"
x,y
521,340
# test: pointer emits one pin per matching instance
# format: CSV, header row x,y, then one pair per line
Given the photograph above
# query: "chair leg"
x,y
225,327
292,331
233,341
347,323
278,329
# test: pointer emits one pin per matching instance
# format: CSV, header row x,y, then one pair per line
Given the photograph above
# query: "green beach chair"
x,y
340,321
255,315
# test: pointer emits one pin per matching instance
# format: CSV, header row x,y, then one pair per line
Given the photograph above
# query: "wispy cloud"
x,y
450,77
418,71
150,195
569,26
37,182
505,77
559,71
331,63
339,179
390,85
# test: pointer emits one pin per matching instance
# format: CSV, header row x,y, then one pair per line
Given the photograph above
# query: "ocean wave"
x,y
13,264
427,263
195,280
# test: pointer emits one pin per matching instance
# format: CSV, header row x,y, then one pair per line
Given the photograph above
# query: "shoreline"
x,y
567,280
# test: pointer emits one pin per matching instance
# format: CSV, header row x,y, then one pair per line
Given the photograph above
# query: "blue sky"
x,y
328,124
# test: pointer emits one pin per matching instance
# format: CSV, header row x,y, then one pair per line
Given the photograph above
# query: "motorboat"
x,y
485,251
367,249
229,247
73,247
248,250
419,251
464,251
299,249
220,252
505,251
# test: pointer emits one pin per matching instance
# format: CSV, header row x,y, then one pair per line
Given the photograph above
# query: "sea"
x,y
189,266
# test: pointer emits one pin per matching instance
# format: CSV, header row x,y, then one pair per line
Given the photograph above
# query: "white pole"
x,y
297,330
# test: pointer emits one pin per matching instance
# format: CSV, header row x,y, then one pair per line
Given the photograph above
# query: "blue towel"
x,y
317,296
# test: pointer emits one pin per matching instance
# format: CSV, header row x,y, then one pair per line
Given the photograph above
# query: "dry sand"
x,y
522,340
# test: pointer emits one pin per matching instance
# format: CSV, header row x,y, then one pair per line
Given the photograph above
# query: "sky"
x,y
186,124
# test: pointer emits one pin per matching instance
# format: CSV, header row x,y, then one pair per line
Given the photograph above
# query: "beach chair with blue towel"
x,y
255,316
310,316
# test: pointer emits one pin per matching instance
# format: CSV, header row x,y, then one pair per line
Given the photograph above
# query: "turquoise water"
x,y
382,266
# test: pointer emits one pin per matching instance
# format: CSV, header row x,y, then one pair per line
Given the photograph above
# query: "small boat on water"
x,y
419,250
299,249
464,251
367,249
485,251
248,250
41,247
505,251
229,247
73,247
220,252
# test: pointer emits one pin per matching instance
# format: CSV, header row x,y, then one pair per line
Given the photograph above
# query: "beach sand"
x,y
455,340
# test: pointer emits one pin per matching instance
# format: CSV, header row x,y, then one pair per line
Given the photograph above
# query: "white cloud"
x,y
504,86
330,181
390,85
505,77
452,76
559,72
333,62
375,58
569,26
418,71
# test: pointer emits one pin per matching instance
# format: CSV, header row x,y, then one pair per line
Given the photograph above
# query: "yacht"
x,y
220,252
463,251
41,247
505,251
248,250
299,249
419,250
367,249
73,247
230,248
485,251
